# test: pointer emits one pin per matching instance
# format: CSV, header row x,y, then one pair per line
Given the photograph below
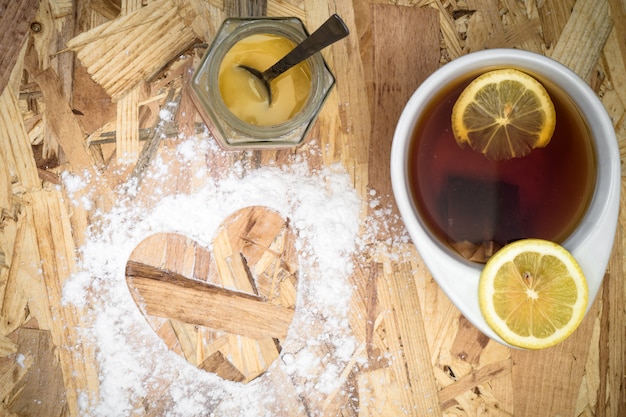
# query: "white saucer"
x,y
591,243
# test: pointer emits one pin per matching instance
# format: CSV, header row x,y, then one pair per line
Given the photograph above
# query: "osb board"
x,y
451,368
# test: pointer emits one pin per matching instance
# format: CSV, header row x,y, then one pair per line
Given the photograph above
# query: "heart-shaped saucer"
x,y
225,310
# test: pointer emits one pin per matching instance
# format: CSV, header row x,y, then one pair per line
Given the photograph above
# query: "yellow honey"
x,y
245,95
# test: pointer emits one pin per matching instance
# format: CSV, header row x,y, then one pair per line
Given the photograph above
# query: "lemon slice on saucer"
x,y
533,293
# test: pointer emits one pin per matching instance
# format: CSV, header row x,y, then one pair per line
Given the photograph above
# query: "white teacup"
x,y
592,240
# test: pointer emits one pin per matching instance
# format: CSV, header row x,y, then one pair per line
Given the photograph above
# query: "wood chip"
x,y
406,52
59,114
42,380
468,382
219,365
133,48
127,126
167,294
61,8
57,252
379,394
15,20
13,298
580,45
107,8
408,346
7,347
18,163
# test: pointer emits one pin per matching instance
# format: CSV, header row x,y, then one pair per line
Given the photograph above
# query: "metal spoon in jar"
x,y
330,32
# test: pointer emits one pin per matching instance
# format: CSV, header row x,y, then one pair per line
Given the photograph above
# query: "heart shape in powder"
x,y
225,310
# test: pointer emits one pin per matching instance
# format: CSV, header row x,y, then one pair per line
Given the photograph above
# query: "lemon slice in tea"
x,y
504,114
533,293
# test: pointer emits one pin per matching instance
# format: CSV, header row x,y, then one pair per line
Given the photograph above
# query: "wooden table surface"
x,y
83,88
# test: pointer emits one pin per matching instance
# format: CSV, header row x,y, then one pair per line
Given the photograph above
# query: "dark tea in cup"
x,y
476,205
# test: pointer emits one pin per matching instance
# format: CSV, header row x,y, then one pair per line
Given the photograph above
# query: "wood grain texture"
x,y
415,350
583,37
127,120
128,50
614,337
170,295
406,51
55,246
44,371
15,20
19,165
61,119
410,357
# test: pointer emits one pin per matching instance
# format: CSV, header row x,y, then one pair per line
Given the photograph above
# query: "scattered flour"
x,y
324,211
21,360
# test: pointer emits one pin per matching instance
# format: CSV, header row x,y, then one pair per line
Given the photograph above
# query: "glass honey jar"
x,y
229,100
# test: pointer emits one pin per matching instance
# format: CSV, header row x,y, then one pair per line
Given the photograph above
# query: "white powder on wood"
x,y
138,374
